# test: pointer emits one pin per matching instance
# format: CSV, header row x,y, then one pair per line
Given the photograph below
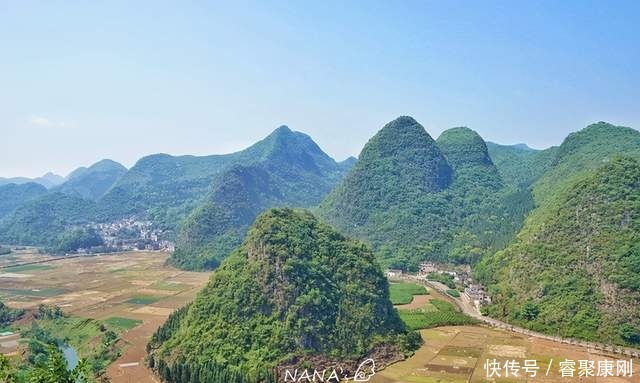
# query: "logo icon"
x,y
365,371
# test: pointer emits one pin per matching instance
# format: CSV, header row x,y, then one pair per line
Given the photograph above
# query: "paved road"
x,y
467,307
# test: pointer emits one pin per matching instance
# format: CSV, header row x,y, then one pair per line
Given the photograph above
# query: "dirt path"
x,y
130,366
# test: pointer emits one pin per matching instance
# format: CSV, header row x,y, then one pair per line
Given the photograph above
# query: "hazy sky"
x,y
85,80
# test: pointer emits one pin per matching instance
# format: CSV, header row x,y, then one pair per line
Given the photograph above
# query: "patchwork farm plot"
x,y
134,292
458,355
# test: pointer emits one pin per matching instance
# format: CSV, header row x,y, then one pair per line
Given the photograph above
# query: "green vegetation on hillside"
x,y
8,315
291,171
97,344
92,182
73,240
52,368
294,288
520,167
391,197
42,221
13,195
414,199
401,293
574,267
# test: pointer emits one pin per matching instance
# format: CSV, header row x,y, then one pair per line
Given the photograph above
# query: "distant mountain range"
x,y
414,198
218,195
552,233
285,169
92,182
48,180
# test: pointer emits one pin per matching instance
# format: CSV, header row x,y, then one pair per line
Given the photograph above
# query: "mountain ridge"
x,y
292,171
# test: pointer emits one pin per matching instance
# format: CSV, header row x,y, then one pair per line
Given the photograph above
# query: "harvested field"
x,y
458,354
134,291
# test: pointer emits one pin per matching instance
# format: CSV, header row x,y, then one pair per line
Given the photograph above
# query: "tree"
x,y
55,370
629,333
6,374
530,311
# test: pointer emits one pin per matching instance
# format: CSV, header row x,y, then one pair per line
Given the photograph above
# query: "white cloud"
x,y
43,121
40,121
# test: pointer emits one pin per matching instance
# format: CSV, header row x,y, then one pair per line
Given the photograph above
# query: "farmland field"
x,y
458,355
401,293
133,292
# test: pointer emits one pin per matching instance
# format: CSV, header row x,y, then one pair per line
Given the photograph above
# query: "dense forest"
x,y
43,220
295,288
212,199
291,171
573,268
417,199
408,196
14,195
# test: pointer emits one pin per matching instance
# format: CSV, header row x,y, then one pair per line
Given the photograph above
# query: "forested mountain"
x,y
284,169
485,212
290,171
14,195
92,182
294,290
34,216
573,266
41,221
48,180
166,188
414,198
467,153
391,196
519,166
584,151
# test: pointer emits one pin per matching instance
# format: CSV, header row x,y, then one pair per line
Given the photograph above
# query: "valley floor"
x,y
134,289
458,355
138,286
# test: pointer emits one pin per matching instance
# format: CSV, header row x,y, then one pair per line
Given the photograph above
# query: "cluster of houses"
x,y
477,294
132,234
460,274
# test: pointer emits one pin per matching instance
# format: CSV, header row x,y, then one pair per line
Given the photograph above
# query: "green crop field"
x,y
453,293
122,323
444,315
18,269
45,292
142,300
401,293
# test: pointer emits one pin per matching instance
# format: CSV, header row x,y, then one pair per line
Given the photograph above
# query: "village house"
x,y
427,267
393,273
476,294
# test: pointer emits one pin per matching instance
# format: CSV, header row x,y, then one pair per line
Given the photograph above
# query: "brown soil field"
x,y
417,302
458,355
101,287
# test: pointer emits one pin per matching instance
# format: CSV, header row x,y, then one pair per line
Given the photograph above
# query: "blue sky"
x,y
81,81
